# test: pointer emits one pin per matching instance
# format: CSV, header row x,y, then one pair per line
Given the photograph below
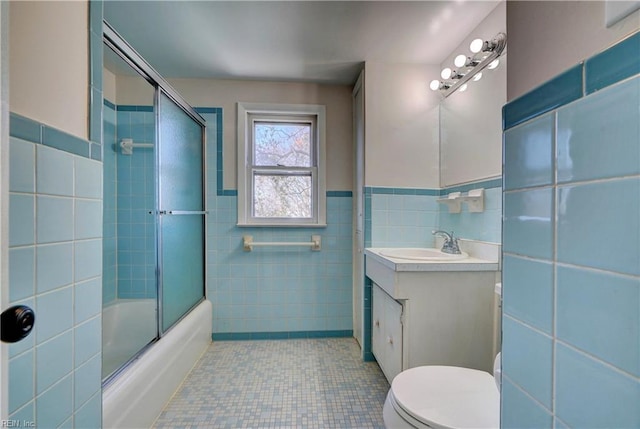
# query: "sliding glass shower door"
x,y
181,211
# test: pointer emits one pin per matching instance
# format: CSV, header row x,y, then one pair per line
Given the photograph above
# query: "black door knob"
x,y
17,323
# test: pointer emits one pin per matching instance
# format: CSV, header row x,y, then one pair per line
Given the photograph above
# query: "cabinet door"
x,y
393,338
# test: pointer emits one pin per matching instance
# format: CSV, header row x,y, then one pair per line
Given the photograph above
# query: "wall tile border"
x,y
599,71
39,133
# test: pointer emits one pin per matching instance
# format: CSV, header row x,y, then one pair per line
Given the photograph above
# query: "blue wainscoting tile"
x,y
55,314
87,380
54,219
90,414
613,65
54,266
590,394
527,359
21,220
557,92
55,405
21,379
25,128
87,300
88,259
528,222
87,340
54,360
22,161
528,153
600,313
520,411
88,178
21,273
612,208
25,414
54,172
528,291
590,148
63,141
88,219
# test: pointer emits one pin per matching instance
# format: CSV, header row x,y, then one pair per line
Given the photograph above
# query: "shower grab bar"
x,y
248,243
127,146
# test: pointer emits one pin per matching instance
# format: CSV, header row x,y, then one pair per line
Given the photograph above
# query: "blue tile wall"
x,y
274,292
571,280
56,223
129,258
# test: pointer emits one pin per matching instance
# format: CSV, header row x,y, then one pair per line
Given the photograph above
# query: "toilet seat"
x,y
446,397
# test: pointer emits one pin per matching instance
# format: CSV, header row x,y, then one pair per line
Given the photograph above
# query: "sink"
x,y
422,254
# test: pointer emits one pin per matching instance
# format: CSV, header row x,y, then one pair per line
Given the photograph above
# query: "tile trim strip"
x,y
599,71
36,132
286,335
486,184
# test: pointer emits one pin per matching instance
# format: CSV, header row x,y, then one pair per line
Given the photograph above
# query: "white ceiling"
x,y
319,41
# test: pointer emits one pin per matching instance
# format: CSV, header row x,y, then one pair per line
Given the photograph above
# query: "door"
x,y
358,211
181,211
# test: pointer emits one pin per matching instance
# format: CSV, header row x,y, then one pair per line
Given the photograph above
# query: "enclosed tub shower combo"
x,y
156,322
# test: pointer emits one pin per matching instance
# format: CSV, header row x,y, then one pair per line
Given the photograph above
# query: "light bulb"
x,y
434,85
477,77
463,88
476,45
460,60
446,73
493,64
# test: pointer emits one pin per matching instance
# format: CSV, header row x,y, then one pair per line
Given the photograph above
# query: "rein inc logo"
x,y
17,424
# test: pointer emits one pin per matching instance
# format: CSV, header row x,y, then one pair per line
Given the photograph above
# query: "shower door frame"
x,y
128,54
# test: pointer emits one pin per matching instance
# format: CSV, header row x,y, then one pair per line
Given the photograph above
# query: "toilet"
x,y
444,397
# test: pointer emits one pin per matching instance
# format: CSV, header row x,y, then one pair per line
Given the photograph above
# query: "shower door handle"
x,y
185,212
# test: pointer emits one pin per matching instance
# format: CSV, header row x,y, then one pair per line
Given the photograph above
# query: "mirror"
x,y
471,129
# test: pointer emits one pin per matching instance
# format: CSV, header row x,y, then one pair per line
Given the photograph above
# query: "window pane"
x,y
284,144
281,196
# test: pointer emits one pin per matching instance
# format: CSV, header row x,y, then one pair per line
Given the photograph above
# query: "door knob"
x,y
17,323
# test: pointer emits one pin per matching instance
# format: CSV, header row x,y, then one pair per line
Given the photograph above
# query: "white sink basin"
x,y
422,254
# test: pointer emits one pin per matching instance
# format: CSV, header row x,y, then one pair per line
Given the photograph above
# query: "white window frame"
x,y
247,113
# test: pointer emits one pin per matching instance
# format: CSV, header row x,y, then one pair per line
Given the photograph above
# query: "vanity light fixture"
x,y
485,54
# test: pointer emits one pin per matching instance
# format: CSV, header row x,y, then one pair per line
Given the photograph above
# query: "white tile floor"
x,y
307,383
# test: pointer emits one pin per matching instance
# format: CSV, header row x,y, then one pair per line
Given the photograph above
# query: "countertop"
x,y
407,265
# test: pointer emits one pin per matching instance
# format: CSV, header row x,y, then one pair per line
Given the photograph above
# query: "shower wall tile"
x,y
42,274
583,291
87,344
86,381
88,259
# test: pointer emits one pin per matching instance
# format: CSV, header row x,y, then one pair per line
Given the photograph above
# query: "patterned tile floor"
x,y
308,383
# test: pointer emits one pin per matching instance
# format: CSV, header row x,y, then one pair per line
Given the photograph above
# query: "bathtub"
x,y
135,398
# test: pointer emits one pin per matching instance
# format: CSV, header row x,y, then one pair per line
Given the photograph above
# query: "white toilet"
x,y
444,397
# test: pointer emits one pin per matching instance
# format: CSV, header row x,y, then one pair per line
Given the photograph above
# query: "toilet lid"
x,y
448,397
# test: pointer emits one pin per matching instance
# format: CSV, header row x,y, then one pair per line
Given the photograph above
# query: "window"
x,y
281,156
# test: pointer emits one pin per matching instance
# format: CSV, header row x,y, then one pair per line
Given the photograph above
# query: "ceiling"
x,y
317,41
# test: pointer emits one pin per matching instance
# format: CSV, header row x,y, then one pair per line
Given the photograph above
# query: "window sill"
x,y
281,225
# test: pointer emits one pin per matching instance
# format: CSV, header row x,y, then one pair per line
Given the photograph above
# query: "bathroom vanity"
x,y
432,312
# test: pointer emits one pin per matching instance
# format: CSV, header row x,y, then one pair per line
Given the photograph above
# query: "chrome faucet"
x,y
450,242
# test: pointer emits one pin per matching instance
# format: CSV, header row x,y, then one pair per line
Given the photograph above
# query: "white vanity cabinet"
x,y
386,332
432,313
